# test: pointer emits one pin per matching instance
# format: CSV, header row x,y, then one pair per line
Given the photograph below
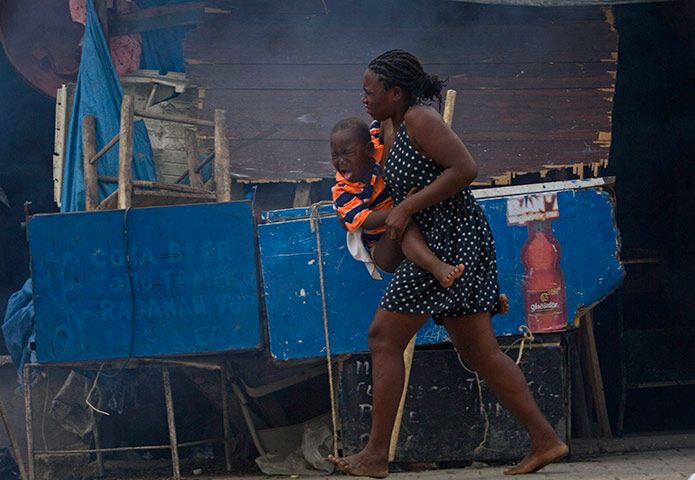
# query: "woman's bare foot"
x,y
504,304
446,274
361,465
538,458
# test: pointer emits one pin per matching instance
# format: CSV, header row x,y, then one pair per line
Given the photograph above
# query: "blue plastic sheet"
x,y
99,93
18,326
163,49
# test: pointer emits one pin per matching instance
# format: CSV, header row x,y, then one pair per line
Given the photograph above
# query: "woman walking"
x,y
422,153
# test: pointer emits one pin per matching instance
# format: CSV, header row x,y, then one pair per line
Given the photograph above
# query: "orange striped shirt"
x,y
355,201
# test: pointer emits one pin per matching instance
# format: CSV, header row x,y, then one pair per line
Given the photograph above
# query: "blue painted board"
x,y
585,229
192,270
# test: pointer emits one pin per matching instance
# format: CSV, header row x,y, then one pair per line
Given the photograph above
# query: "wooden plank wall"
x,y
535,84
167,138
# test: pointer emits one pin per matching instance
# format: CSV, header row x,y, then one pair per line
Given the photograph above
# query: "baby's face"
x,y
350,157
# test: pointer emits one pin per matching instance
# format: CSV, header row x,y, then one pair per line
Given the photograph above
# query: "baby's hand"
x,y
412,191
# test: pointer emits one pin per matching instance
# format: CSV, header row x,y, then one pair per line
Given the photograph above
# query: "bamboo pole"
x,y
91,183
191,148
125,154
448,116
223,177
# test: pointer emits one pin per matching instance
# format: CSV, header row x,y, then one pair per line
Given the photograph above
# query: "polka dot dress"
x,y
456,231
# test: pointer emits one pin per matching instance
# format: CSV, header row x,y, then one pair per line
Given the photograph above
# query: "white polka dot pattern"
x,y
456,231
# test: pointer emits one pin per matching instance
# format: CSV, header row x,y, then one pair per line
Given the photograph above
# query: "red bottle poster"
x,y
543,284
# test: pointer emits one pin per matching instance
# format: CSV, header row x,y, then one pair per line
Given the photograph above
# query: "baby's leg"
x,y
417,251
387,254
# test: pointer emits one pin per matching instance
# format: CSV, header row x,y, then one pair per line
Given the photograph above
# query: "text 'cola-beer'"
x,y
543,287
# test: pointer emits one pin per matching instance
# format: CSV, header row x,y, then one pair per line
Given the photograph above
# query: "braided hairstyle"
x,y
403,69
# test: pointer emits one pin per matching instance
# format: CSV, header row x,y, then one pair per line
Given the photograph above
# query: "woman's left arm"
x,y
434,138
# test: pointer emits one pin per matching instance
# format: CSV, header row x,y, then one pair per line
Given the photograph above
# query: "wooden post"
x,y
408,360
594,370
302,195
125,154
448,116
91,182
13,443
97,445
171,422
191,147
29,420
225,420
449,103
223,177
581,420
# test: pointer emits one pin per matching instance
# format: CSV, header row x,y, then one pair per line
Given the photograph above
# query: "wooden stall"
x,y
535,84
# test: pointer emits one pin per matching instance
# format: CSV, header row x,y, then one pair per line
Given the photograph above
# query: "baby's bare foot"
x,y
504,304
446,274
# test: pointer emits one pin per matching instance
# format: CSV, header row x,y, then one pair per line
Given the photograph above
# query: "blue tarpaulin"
x,y
99,93
163,49
18,326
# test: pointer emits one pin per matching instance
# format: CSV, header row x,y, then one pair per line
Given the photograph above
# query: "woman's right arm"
x,y
434,138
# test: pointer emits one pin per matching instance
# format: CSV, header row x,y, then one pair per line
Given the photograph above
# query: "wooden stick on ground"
x,y
410,349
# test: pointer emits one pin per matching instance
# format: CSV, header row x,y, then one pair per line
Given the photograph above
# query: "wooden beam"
x,y
125,154
91,183
156,18
174,118
191,147
105,149
198,169
223,177
158,185
594,371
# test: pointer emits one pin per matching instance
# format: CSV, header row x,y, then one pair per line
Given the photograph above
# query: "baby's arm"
x,y
376,219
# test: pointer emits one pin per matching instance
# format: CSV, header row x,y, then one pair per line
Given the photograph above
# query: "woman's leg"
x,y
389,334
475,341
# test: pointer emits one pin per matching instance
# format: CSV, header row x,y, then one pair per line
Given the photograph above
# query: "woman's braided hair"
x,y
403,69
